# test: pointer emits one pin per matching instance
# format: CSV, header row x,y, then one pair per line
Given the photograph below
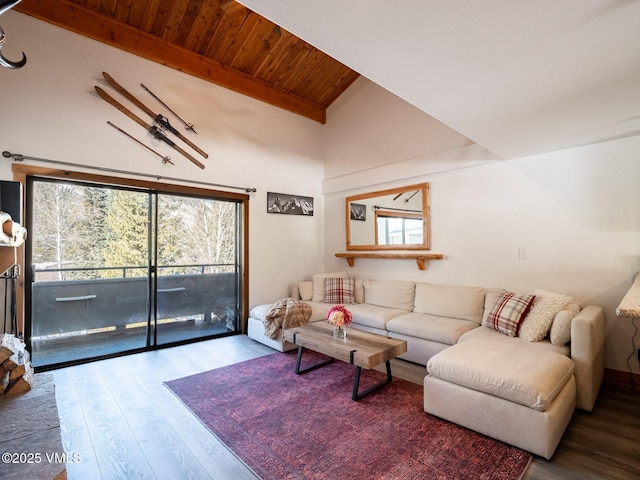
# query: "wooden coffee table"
x,y
360,348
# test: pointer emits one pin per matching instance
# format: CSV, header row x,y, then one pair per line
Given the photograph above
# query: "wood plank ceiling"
x,y
220,41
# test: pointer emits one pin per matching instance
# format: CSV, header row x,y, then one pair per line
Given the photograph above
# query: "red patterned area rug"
x,y
288,426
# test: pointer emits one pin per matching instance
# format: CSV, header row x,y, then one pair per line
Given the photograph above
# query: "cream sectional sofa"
x,y
518,389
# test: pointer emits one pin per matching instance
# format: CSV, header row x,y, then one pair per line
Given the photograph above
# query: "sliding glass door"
x,y
116,269
198,268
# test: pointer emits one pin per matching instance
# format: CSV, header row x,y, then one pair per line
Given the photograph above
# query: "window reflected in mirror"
x,y
395,228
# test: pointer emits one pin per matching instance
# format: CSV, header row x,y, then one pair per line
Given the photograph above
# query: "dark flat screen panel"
x,y
11,199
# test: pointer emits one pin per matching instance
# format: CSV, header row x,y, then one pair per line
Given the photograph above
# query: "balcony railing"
x,y
96,302
61,274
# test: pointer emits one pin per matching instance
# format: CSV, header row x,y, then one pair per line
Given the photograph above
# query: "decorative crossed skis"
x,y
163,122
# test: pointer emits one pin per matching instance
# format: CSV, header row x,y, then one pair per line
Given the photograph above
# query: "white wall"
x,y
49,109
382,134
576,212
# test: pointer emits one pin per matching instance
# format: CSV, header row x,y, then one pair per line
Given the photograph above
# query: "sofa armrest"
x,y
587,352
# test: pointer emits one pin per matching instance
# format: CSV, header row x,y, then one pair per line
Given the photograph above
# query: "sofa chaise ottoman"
x,y
504,390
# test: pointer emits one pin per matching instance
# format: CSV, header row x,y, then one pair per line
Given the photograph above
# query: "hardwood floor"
x,y
123,423
604,444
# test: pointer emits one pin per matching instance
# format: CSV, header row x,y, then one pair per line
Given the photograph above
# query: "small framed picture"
x,y
358,211
288,204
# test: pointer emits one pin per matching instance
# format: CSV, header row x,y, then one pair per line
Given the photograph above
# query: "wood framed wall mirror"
x,y
394,219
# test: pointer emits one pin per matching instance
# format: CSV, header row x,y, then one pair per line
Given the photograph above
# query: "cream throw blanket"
x,y
285,313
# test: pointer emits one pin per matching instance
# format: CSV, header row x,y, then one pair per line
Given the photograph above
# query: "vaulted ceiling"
x,y
518,77
218,40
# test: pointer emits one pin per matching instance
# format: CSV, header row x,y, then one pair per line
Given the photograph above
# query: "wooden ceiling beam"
x,y
81,20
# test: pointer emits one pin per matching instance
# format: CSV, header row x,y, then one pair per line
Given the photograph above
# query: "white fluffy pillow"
x,y
561,329
546,306
318,284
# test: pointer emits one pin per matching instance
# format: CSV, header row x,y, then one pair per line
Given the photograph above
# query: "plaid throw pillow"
x,y
508,312
339,290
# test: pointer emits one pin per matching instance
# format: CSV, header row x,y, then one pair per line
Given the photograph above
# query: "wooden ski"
x,y
162,121
188,126
155,131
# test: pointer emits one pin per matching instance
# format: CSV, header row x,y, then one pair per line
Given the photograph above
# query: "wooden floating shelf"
x,y
420,258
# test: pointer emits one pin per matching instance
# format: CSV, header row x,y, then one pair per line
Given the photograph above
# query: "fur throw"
x,y
285,313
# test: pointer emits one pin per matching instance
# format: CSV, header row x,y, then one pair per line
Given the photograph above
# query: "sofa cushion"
x,y
489,334
504,369
538,321
339,290
373,316
318,284
560,333
359,292
260,311
466,303
305,290
508,311
390,294
319,311
490,298
430,327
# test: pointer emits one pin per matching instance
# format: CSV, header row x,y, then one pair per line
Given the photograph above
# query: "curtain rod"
x,y
19,158
378,207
